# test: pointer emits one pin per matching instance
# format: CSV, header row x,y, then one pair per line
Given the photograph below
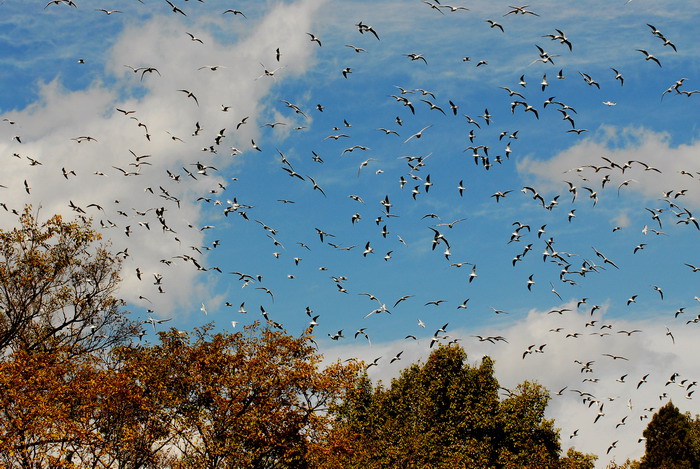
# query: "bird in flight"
x,y
648,56
313,38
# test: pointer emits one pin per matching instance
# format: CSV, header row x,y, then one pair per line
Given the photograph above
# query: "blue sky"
x,y
52,99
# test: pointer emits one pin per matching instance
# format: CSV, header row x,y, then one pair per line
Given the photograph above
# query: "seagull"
x,y
473,274
512,93
530,282
190,95
451,225
493,24
649,56
313,38
148,70
356,49
418,134
520,10
413,57
175,9
668,43
364,28
387,131
235,12
643,380
363,164
616,357
433,106
195,39
153,321
499,195
658,289
269,73
453,8
618,76
668,333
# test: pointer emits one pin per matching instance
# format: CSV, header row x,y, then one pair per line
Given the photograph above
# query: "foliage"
x,y
671,440
576,460
42,398
57,288
446,413
251,399
528,438
628,464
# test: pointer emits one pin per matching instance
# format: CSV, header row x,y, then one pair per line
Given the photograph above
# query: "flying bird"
x,y
313,38
175,9
648,56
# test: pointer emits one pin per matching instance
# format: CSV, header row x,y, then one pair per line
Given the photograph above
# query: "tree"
x,y
44,405
255,398
576,460
57,288
528,438
671,440
445,413
628,464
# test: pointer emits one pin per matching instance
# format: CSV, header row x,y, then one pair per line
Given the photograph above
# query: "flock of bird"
x,y
419,115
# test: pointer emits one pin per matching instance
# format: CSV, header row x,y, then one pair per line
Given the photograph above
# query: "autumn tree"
x,y
57,287
42,399
671,440
444,413
254,398
128,416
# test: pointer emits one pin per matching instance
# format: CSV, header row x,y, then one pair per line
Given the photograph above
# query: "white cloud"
x,y
677,165
47,126
648,352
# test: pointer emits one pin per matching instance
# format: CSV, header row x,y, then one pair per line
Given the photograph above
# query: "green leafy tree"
x,y
671,441
628,464
577,460
446,413
528,439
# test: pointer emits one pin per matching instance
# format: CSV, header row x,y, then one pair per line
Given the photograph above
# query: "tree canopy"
x,y
672,440
57,287
446,413
254,398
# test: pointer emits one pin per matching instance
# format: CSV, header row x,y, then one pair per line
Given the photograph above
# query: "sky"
x,y
564,219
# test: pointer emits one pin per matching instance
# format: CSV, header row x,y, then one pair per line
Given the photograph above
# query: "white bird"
x,y
313,38
194,38
649,56
418,134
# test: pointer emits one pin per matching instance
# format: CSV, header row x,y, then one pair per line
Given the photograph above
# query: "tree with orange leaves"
x,y
45,399
255,398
